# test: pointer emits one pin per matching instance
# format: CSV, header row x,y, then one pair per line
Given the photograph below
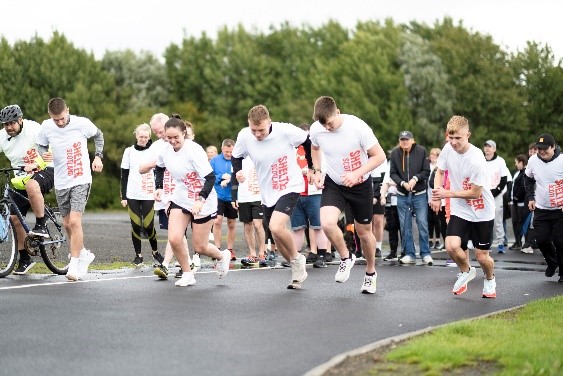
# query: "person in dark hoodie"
x,y
519,209
409,169
544,188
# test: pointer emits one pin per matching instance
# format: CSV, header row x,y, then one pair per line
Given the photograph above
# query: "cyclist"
x,y
18,142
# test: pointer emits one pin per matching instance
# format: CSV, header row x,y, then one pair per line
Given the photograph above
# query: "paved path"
x,y
128,323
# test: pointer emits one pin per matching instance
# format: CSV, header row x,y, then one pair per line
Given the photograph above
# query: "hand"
x,y
224,183
532,205
351,178
158,195
439,193
406,186
124,203
436,205
30,167
383,200
317,179
240,176
97,164
411,184
196,209
234,204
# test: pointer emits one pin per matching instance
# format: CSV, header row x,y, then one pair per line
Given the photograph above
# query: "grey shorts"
x,y
72,199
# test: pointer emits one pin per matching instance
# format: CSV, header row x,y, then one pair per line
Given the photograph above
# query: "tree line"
x,y
394,76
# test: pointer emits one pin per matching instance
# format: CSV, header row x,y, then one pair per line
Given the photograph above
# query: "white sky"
x,y
100,25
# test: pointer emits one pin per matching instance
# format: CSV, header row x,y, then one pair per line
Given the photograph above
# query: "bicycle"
x,y
54,250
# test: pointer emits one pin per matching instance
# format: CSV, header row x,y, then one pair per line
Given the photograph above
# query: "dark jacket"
x,y
404,166
518,189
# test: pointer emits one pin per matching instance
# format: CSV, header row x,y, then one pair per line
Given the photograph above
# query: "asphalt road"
x,y
128,323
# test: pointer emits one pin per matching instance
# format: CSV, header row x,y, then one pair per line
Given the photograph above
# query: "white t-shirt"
x,y
463,170
549,181
22,148
139,186
249,190
70,152
188,167
346,148
168,182
497,169
274,158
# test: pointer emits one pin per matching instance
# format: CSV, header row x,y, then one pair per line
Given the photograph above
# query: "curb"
x,y
337,359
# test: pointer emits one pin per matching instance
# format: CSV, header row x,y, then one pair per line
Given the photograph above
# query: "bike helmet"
x,y
10,113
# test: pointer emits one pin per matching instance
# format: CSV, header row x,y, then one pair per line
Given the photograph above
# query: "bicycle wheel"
x,y
56,249
8,245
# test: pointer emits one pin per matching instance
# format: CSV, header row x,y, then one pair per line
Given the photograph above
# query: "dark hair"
x,y
522,158
175,122
325,107
56,106
532,146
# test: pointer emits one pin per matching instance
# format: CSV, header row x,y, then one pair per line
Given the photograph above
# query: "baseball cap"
x,y
405,135
544,141
491,143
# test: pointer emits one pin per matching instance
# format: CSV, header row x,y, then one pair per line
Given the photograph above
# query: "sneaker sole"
x,y
366,291
26,269
461,290
160,274
490,296
72,277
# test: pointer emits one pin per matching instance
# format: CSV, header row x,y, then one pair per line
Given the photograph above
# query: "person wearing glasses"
x,y
18,143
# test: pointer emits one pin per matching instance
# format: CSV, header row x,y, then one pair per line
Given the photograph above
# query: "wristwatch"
x,y
201,199
99,155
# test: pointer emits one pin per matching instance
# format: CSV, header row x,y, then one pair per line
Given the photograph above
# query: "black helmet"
x,y
10,113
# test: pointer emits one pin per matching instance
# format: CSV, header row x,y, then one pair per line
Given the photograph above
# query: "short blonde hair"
x,y
258,114
457,123
142,127
435,151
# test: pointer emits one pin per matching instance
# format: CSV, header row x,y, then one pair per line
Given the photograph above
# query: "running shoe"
x,y
490,288
250,261
320,263
370,284
451,263
161,271
407,260
138,260
187,279
528,250
427,260
378,252
298,269
392,256
311,258
232,255
40,230
223,265
461,284
158,258
73,273
179,273
501,248
262,262
343,272
23,267
84,262
196,261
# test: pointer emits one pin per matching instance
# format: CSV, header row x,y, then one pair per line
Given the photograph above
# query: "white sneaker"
x,y
187,279
73,272
527,250
299,269
197,261
461,284
428,260
370,284
84,262
223,265
343,272
407,260
490,288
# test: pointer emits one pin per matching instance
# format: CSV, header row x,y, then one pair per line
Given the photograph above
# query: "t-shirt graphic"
x,y
193,183
555,194
280,176
353,162
474,203
74,167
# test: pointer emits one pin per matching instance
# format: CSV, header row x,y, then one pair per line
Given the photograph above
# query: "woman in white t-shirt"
x,y
137,192
193,201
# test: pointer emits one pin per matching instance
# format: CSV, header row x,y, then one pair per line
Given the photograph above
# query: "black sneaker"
x,y
320,262
378,252
515,247
392,256
329,256
178,273
311,258
40,230
157,257
138,260
23,267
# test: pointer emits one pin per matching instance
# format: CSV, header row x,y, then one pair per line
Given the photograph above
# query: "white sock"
x,y
83,252
378,245
74,260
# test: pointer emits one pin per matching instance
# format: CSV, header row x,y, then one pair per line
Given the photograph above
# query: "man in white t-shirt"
x,y
498,178
67,135
36,178
351,151
544,189
271,145
472,205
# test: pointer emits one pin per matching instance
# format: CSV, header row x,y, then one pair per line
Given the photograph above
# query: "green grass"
x,y
41,268
527,341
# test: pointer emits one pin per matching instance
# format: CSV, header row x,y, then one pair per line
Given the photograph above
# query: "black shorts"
x,y
285,204
198,221
225,209
359,197
248,211
480,233
46,180
378,208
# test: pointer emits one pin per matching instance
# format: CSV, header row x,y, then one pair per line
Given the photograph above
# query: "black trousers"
x,y
392,226
141,213
549,236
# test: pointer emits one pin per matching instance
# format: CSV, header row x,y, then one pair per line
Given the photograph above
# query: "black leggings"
x,y
141,213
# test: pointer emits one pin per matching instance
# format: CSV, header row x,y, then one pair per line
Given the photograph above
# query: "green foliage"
x,y
395,77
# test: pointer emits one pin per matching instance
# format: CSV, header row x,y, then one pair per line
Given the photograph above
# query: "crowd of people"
x,y
329,182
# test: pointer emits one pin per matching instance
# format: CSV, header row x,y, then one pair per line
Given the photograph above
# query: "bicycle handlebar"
x,y
9,169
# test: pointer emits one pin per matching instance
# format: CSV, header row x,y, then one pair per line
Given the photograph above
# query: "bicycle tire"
x,y
55,255
8,247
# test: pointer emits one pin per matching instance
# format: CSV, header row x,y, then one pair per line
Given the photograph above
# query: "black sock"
x,y
24,256
370,274
321,252
40,221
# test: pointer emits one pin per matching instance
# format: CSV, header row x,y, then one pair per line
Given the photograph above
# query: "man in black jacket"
x,y
410,169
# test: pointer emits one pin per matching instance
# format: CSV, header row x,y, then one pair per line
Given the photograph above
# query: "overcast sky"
x,y
102,25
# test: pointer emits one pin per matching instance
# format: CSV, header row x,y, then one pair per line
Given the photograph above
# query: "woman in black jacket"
x,y
519,209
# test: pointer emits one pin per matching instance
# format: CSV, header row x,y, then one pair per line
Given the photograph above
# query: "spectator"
x,y
519,208
498,177
392,224
409,169
435,221
222,168
211,151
